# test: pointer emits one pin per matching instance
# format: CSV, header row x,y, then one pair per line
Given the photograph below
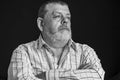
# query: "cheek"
x,y
55,25
51,27
69,23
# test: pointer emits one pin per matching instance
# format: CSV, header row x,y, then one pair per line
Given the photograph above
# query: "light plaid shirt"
x,y
35,61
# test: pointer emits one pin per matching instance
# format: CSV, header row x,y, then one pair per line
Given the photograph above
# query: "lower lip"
x,y
64,29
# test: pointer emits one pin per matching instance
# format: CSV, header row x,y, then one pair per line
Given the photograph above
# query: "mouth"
x,y
63,28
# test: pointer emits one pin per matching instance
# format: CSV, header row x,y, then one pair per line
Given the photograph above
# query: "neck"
x,y
57,51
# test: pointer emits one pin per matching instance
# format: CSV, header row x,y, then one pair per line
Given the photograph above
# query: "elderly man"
x,y
54,56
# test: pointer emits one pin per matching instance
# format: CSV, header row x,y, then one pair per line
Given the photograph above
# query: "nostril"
x,y
64,22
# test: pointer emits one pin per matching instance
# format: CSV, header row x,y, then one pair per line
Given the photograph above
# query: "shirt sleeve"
x,y
20,67
90,67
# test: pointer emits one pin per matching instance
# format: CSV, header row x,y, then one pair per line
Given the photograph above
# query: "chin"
x,y
63,36
60,39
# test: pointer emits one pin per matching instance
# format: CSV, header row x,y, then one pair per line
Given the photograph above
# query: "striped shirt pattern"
x,y
35,61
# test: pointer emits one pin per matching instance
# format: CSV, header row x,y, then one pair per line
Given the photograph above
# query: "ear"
x,y
40,23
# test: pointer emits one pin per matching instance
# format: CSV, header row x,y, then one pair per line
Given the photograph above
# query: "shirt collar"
x,y
42,43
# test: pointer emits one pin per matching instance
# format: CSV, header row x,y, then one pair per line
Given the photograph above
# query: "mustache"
x,y
62,27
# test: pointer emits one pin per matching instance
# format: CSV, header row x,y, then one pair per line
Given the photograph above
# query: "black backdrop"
x,y
94,22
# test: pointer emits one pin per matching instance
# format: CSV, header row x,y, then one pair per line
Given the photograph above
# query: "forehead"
x,y
54,7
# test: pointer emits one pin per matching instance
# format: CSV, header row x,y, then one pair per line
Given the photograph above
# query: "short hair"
x,y
42,10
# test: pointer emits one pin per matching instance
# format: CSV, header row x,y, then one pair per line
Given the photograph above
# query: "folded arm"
x,y
90,67
20,67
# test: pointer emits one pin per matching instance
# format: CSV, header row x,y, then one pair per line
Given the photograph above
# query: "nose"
x,y
64,21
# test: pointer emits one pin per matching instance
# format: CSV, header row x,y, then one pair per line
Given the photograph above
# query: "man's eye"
x,y
57,16
69,18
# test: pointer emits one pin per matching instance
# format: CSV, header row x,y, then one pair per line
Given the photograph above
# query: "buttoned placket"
x,y
55,63
52,60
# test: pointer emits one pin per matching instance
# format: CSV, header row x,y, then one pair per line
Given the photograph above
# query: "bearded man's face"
x,y
57,22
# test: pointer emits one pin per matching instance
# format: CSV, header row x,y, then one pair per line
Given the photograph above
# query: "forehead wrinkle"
x,y
57,8
62,10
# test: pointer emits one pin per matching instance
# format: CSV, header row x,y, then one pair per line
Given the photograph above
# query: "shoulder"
x,y
84,48
21,50
24,47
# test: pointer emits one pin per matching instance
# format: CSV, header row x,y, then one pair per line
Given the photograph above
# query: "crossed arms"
x,y
90,68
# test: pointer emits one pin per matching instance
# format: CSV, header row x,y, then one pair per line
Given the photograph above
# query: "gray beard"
x,y
57,40
60,36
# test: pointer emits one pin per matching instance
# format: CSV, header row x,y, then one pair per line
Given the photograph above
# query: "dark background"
x,y
94,22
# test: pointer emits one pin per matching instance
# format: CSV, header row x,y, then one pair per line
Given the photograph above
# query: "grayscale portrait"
x,y
55,55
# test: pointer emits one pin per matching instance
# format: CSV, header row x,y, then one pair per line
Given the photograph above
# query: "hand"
x,y
68,75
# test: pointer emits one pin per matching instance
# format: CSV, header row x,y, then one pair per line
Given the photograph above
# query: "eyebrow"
x,y
54,12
